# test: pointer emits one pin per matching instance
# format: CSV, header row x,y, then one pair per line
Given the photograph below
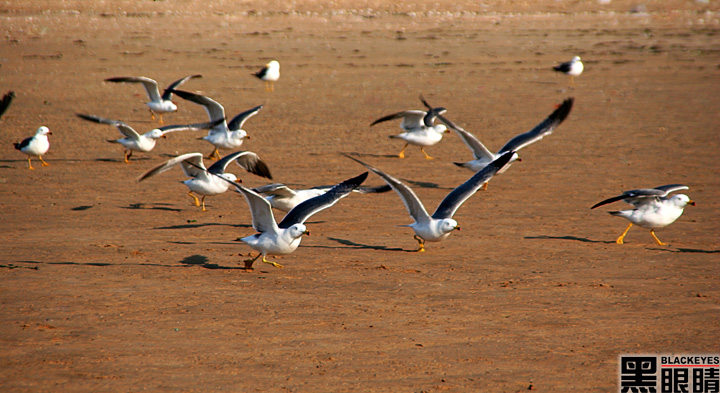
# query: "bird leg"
x,y
161,120
422,149
652,233
128,154
215,155
485,185
30,164
43,161
402,152
572,80
269,86
197,202
421,243
202,202
152,114
620,239
277,265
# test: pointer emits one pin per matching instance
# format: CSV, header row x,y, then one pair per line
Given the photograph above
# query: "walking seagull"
x,y
284,237
36,145
145,142
438,227
654,209
224,135
483,156
208,182
157,104
419,127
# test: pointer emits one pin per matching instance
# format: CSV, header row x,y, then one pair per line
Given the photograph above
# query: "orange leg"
x,y
620,239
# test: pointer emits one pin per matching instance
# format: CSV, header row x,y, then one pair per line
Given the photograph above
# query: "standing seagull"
x,y
483,156
654,209
572,68
145,142
269,73
5,102
418,126
437,227
208,182
158,104
284,238
223,135
36,145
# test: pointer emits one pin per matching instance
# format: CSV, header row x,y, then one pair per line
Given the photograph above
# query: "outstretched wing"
x,y
191,163
237,122
124,129
644,195
167,94
459,195
190,127
214,110
478,149
304,210
546,127
248,160
151,87
411,119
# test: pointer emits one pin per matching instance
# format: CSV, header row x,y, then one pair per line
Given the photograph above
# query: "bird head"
x,y
298,230
43,131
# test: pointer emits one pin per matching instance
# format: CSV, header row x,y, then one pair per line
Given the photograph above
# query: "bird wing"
x,y
151,87
479,150
412,203
306,209
563,67
263,219
192,165
643,195
5,102
248,160
125,129
546,127
190,127
214,110
167,94
237,122
461,193
411,119
276,189
431,113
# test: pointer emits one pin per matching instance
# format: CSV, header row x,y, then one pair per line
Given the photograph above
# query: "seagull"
x,y
207,182
36,145
224,135
654,209
572,68
158,104
5,102
437,227
418,126
145,142
269,73
483,156
284,198
284,238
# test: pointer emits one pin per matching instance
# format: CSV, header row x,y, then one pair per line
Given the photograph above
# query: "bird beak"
x,y
247,136
691,202
164,137
49,133
307,232
457,227
519,159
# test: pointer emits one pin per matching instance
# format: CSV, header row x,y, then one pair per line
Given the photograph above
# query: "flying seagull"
x,y
654,208
438,227
284,237
157,104
208,182
419,127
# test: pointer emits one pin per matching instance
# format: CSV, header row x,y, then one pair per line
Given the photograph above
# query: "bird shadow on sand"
x,y
154,206
122,159
687,250
201,225
204,262
574,238
353,244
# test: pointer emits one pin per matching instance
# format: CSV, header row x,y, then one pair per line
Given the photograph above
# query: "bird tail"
x,y
112,141
394,137
17,145
620,213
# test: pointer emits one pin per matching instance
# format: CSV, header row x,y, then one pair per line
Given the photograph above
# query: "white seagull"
x,y
269,73
36,145
654,209
157,104
284,237
483,156
437,227
145,142
572,68
284,198
208,182
418,126
224,135
5,102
